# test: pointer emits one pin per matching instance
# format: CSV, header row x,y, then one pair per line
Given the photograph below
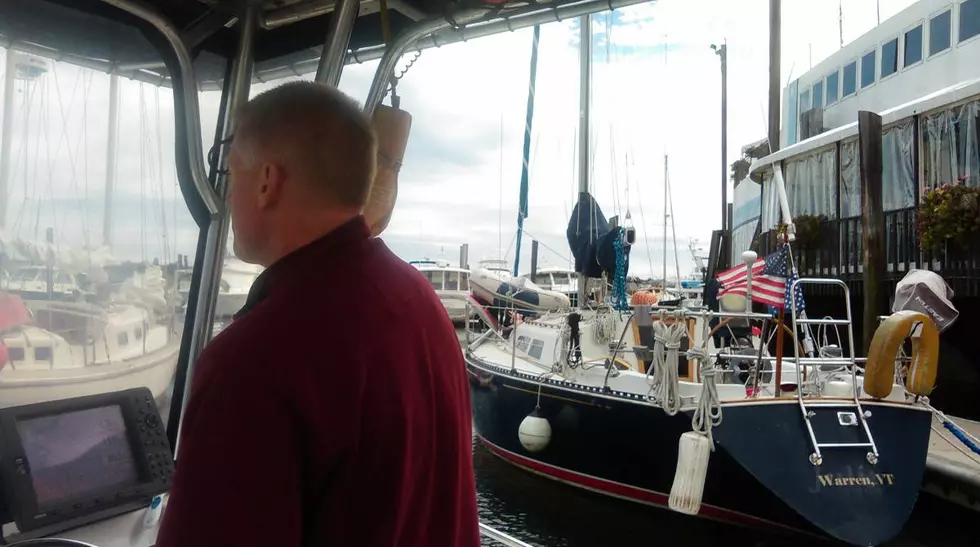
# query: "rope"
x,y
604,327
707,414
619,279
966,438
667,343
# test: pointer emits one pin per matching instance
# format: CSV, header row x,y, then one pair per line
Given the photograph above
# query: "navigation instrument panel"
x,y
73,461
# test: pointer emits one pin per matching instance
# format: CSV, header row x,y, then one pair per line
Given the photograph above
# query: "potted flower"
x,y
949,217
808,231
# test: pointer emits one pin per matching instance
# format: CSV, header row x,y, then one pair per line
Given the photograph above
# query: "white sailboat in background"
x,y
56,339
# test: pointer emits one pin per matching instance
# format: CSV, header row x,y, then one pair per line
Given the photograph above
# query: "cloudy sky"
x,y
656,92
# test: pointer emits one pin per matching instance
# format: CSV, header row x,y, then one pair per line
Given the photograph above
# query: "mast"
x,y
584,119
522,203
110,159
665,223
8,126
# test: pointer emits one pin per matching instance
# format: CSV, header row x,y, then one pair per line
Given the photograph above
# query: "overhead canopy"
x,y
96,34
96,30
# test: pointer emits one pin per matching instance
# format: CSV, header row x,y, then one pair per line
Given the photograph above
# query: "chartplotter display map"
x,y
73,454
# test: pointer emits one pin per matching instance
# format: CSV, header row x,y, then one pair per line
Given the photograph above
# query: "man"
x,y
335,409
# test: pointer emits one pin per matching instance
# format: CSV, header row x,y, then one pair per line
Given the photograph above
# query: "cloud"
x,y
656,93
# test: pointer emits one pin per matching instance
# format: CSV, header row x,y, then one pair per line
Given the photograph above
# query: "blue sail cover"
x,y
591,240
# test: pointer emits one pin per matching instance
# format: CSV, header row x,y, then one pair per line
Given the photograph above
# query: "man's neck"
x,y
303,231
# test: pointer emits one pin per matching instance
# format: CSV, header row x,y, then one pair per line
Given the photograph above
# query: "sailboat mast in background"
x,y
584,119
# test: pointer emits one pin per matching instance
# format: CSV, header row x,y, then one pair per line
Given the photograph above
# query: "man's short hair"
x,y
318,134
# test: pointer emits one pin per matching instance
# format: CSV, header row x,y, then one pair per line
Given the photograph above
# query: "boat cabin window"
x,y
536,348
939,29
969,19
542,280
889,58
51,216
435,278
913,46
451,281
464,281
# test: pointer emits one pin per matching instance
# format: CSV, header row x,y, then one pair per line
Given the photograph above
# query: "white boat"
x,y
237,277
520,292
450,283
58,349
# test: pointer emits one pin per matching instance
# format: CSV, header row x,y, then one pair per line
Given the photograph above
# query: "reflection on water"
x,y
546,513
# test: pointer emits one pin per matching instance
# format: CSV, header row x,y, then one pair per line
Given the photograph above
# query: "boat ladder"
x,y
808,408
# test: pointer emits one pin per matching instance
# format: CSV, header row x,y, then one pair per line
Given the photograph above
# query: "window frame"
x,y
821,84
844,78
881,56
956,23
921,25
837,96
861,68
799,100
928,40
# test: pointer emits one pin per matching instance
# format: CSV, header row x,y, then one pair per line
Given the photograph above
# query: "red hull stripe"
x,y
625,491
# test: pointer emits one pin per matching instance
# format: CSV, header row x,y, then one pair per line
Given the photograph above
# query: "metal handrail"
x,y
497,535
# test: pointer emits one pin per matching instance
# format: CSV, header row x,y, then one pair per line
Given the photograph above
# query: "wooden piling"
x,y
872,223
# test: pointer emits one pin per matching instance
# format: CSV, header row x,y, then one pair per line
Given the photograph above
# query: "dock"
x,y
952,469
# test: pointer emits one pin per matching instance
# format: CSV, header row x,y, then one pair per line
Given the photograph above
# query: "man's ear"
x,y
271,178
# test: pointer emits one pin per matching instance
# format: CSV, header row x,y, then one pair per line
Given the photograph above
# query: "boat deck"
x,y
953,469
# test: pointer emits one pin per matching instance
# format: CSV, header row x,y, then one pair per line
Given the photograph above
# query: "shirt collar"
x,y
353,231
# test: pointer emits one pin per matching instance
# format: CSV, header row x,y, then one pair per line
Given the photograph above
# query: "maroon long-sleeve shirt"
x,y
334,411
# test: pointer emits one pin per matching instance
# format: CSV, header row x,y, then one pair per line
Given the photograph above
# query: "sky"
x,y
656,93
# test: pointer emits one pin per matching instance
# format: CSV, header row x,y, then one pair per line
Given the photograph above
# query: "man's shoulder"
x,y
238,346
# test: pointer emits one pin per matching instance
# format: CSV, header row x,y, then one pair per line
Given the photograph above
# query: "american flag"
x,y
770,285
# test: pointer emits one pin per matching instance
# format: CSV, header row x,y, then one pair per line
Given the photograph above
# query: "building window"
x,y
939,28
969,19
850,79
817,94
832,87
868,69
913,46
889,58
805,101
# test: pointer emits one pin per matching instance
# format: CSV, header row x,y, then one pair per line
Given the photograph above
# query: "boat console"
x,y
68,463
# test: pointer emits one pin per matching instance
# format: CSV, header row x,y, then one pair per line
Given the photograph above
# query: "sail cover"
x,y
591,240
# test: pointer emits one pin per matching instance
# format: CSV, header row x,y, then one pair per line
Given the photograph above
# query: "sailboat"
x,y
650,405
58,341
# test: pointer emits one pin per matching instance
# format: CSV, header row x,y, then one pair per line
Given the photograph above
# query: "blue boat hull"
x,y
759,475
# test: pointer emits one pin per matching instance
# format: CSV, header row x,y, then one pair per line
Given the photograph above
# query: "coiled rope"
x,y
707,414
666,360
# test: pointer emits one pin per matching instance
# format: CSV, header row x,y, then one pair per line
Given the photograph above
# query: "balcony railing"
x,y
840,251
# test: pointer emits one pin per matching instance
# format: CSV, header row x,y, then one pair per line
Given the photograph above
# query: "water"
x,y
547,513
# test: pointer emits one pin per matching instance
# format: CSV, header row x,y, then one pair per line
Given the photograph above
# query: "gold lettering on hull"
x,y
878,479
